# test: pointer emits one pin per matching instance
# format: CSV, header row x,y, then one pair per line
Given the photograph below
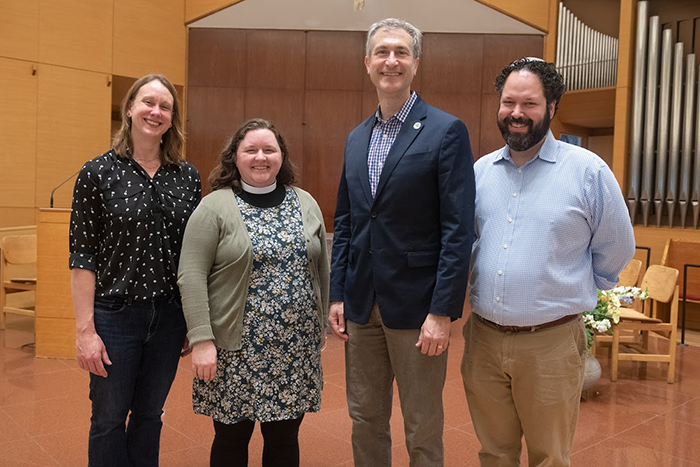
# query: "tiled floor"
x,y
44,415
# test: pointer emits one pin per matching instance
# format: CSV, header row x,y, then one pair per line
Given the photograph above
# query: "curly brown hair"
x,y
226,174
172,141
552,81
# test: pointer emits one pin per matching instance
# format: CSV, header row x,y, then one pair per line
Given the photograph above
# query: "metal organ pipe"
x,y
662,136
675,135
687,153
585,57
650,119
637,110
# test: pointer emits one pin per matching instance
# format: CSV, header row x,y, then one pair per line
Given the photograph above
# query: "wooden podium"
x,y
55,322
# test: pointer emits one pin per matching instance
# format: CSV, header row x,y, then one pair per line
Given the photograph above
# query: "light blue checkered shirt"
x,y
384,134
548,234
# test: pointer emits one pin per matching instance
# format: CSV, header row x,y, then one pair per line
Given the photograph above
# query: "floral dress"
x,y
276,374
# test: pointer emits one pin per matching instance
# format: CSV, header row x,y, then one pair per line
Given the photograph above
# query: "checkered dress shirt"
x,y
384,134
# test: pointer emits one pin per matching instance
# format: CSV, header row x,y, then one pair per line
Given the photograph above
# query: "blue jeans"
x,y
143,340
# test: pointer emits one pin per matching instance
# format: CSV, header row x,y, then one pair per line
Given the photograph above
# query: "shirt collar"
x,y
548,151
403,112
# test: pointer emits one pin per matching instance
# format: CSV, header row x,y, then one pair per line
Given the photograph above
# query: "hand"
x,y
204,360
336,319
186,348
324,339
434,335
91,353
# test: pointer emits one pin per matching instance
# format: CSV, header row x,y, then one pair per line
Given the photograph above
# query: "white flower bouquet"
x,y
606,313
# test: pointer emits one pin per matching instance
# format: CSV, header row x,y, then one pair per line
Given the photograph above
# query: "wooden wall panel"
x,y
326,68
466,107
213,114
73,126
77,34
275,59
324,139
18,103
603,146
452,63
284,108
490,137
19,29
162,24
500,50
12,217
217,58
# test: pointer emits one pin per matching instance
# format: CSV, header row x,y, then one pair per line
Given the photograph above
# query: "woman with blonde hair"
x,y
130,207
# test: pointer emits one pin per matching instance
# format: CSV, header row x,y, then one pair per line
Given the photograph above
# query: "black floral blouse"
x,y
128,228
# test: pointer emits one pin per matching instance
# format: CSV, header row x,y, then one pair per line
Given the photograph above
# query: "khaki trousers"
x,y
374,356
526,383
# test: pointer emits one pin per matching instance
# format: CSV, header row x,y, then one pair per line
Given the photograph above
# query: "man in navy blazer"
x,y
404,226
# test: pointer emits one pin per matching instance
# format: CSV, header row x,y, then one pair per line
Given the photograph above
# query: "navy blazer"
x,y
409,248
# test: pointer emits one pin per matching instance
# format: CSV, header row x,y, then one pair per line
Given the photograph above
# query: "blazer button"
x,y
374,214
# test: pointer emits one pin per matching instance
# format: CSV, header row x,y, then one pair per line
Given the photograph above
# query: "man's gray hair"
x,y
393,23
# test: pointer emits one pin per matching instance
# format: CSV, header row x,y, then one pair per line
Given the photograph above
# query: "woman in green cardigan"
x,y
254,282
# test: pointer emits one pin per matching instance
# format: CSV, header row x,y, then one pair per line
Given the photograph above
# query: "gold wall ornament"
x,y
359,5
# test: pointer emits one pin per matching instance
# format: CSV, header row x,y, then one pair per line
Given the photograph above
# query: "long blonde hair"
x,y
172,141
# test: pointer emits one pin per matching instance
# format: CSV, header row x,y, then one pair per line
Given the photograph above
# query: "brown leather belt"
x,y
514,329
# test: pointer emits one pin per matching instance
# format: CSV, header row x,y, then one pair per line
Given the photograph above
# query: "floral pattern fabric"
x,y
276,374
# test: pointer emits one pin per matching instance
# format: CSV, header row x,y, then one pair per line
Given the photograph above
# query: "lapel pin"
x,y
416,125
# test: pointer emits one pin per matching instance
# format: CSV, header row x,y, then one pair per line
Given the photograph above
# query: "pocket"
x,y
120,201
109,305
418,259
418,157
180,193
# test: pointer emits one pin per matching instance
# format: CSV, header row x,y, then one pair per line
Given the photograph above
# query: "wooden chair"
x,y
630,275
663,295
17,293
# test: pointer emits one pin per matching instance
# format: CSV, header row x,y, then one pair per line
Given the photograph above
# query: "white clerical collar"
x,y
259,190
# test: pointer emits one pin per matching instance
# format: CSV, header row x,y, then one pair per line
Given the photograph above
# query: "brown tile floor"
x,y
639,421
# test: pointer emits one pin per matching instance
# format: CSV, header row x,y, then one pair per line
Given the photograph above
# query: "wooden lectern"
x,y
55,322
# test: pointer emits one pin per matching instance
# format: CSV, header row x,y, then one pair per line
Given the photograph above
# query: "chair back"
x,y
19,249
681,251
660,282
630,275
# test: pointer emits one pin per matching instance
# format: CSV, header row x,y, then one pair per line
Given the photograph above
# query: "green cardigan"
x,y
216,261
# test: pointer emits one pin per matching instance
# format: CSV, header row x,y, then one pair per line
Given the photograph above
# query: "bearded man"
x,y
551,228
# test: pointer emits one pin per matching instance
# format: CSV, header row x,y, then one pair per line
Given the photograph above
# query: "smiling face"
x,y
391,65
523,114
151,112
259,158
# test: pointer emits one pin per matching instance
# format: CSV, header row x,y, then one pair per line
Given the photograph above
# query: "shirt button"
x,y
500,272
498,299
514,195
520,171
374,215
510,220
505,245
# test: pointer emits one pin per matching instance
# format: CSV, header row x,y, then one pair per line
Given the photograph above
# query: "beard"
x,y
524,141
